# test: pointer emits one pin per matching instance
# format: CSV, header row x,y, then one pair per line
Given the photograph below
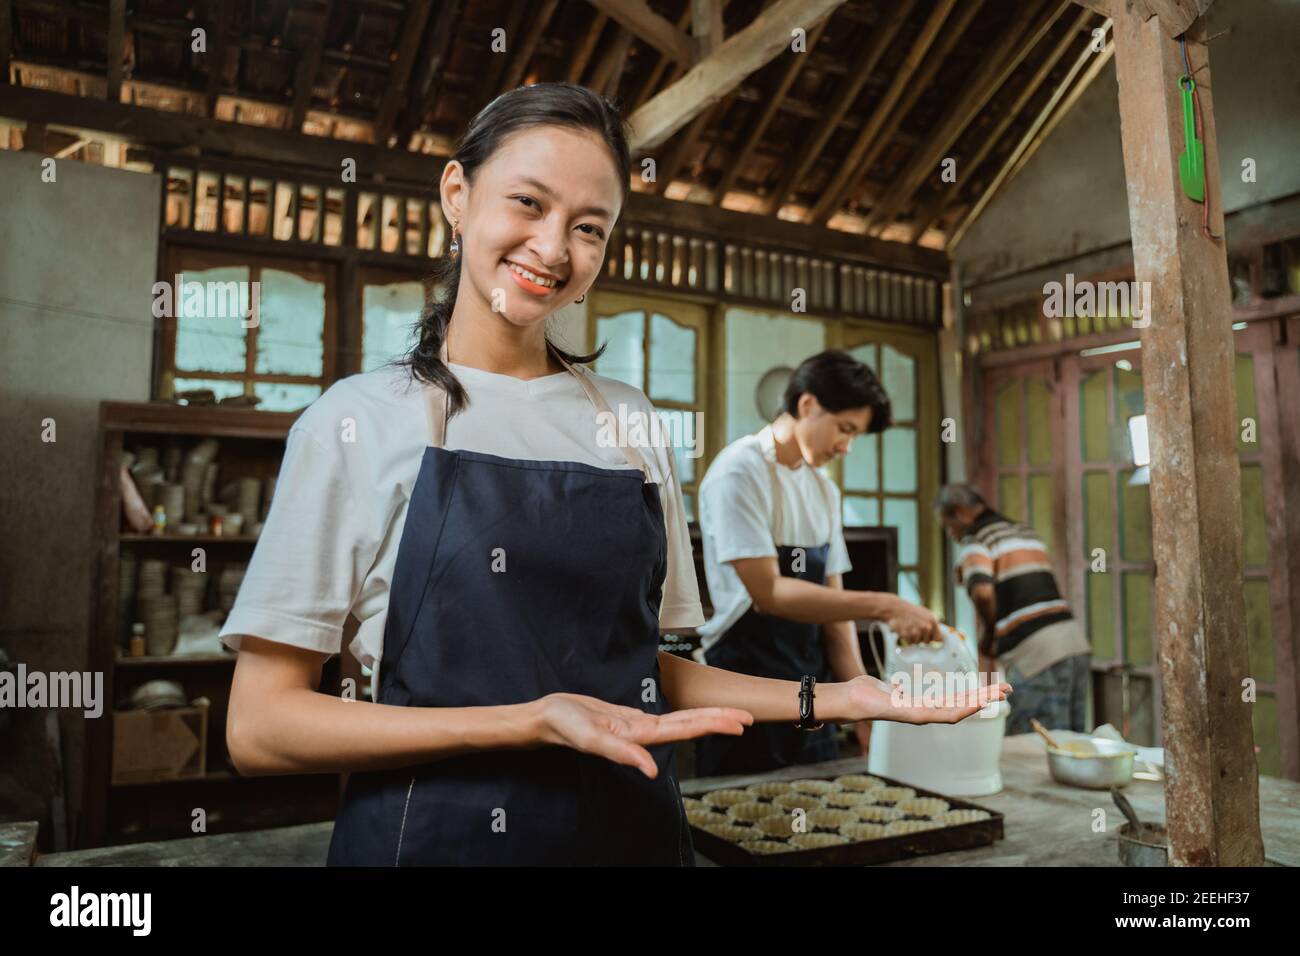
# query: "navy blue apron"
x,y
763,645
517,579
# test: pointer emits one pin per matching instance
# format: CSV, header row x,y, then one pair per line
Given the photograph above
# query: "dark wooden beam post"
x,y
6,39
1212,792
218,26
305,74
114,44
395,96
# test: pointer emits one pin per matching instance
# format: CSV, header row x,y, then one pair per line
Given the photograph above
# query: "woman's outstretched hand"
x,y
872,699
621,734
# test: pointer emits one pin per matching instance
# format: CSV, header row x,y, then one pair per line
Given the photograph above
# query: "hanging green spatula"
x,y
1191,164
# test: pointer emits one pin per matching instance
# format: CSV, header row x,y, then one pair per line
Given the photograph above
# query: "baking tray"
x,y
962,836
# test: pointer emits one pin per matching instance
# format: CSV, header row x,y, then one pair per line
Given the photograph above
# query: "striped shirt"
x,y
1012,558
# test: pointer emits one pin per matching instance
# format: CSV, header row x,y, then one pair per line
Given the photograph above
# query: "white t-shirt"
x,y
329,544
737,514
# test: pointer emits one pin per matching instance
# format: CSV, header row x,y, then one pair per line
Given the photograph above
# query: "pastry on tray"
x,y
769,788
859,781
753,811
694,803
818,787
816,841
798,801
726,798
831,819
876,813
704,818
768,846
781,827
729,831
847,798
900,827
923,806
861,832
956,817
892,794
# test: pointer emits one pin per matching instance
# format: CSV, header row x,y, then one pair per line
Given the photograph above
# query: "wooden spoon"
x,y
1042,732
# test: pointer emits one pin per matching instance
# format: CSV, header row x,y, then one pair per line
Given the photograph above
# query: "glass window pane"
x,y
1254,530
909,585
672,360
1038,421
1011,499
1101,616
290,336
1137,617
1259,629
679,432
758,342
1040,509
1007,404
898,375
900,459
222,388
1093,419
210,334
866,354
901,513
389,314
1134,520
278,397
1128,395
1264,717
624,357
861,471
1244,373
1097,512
861,512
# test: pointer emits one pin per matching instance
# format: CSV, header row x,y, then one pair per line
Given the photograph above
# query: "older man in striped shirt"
x,y
1024,622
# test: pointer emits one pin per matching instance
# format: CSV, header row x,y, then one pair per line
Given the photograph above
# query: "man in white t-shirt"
x,y
774,557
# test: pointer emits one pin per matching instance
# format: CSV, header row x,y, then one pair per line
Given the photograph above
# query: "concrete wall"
x,y
1070,198
77,262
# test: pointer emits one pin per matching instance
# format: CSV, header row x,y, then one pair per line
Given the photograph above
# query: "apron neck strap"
x,y
436,405
776,490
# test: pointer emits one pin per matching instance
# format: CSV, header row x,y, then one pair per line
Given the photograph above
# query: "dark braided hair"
x,y
541,104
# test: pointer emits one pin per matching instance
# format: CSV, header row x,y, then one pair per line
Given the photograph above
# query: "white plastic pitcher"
x,y
957,759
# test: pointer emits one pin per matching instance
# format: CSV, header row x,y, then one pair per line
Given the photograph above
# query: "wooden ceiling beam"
x,y
1039,129
610,66
845,96
967,166
395,95
432,58
910,80
773,103
218,26
646,25
582,55
715,76
1175,15
115,48
706,25
524,54
304,76
997,66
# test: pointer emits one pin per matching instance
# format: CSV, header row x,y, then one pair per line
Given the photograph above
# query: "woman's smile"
x,y
534,283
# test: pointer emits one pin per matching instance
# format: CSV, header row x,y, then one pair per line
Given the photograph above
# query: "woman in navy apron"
x,y
522,715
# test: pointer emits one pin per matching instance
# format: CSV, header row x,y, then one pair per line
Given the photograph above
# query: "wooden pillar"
x,y
1212,792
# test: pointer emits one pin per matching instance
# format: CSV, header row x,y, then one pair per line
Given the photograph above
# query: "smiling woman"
x,y
510,571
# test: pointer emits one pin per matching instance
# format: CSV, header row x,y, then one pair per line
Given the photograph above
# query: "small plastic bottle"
x,y
137,639
159,519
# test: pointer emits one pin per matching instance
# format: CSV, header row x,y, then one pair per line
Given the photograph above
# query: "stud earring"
x,y
581,297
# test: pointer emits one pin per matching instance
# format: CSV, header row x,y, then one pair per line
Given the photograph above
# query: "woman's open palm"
x,y
872,699
621,734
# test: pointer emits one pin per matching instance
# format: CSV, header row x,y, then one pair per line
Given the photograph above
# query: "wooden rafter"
x,y
1037,131
218,20
115,48
773,104
610,66
582,55
997,66
706,25
304,76
845,96
644,24
967,166
683,144
432,58
910,80
395,96
715,76
524,52
1175,15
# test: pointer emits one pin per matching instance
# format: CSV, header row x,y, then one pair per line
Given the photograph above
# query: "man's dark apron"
x,y
765,646
514,580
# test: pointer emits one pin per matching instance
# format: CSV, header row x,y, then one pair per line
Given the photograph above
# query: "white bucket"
x,y
957,759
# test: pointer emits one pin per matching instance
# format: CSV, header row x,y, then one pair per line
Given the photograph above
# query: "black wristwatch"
x,y
807,719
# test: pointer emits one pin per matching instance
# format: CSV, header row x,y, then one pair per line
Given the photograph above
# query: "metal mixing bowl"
x,y
1110,766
